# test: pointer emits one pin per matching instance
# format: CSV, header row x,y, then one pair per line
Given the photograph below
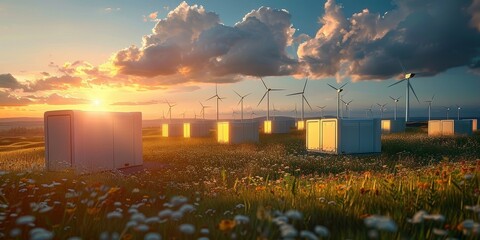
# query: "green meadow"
x,y
419,187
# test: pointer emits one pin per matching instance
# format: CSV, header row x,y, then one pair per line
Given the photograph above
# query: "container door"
x,y
434,127
350,140
447,128
386,126
329,136
59,142
124,144
186,130
164,130
367,140
313,135
98,140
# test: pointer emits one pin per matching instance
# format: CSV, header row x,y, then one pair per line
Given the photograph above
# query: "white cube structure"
x,y
92,141
276,126
196,129
393,126
172,129
237,132
450,127
343,136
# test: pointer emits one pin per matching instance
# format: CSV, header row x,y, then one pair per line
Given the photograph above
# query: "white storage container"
x,y
343,136
393,126
474,124
450,127
92,141
172,130
276,126
196,129
237,132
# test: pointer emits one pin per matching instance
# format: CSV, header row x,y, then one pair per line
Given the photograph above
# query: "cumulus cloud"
x,y
57,99
191,45
8,81
64,82
429,37
9,100
474,9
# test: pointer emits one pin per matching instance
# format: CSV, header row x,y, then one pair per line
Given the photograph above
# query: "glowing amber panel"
x,y
267,126
223,132
186,130
300,125
165,130
313,135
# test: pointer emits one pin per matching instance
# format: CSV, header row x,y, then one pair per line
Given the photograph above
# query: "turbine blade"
x,y
307,102
332,86
239,102
277,89
304,86
414,93
433,97
262,98
264,83
350,101
401,65
246,95
291,94
343,101
343,85
211,97
397,82
392,98
237,93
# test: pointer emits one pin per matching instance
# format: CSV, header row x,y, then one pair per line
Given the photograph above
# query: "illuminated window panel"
x,y
393,126
300,125
450,127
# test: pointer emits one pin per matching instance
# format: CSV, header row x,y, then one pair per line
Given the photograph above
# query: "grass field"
x,y
417,188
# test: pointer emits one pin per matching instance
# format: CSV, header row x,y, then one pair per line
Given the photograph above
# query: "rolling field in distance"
x,y
417,188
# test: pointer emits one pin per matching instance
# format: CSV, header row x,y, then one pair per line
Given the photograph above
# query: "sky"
x,y
116,55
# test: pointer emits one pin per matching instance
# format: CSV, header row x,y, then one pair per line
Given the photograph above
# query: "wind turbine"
x,y
346,107
267,93
163,114
170,106
321,109
368,110
382,109
430,106
216,96
409,87
304,99
448,110
195,114
252,113
396,103
233,113
274,111
203,110
183,115
339,90
241,100
458,112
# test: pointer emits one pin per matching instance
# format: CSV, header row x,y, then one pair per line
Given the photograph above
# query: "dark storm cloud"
x,y
8,81
428,37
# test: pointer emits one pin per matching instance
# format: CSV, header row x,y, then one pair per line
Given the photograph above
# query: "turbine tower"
x,y
448,110
409,87
430,106
241,101
396,103
203,110
339,90
458,112
267,93
216,96
367,110
304,99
